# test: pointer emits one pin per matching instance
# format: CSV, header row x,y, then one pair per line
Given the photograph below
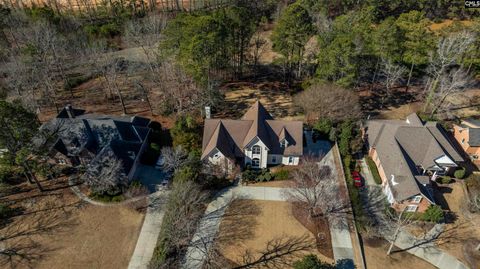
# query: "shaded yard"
x,y
376,257
57,230
274,220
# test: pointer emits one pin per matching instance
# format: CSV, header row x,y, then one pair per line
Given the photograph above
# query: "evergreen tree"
x,y
289,37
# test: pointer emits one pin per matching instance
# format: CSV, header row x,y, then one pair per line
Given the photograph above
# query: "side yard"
x,y
272,220
54,229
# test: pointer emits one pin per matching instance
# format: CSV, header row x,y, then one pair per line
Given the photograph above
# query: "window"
x,y
283,143
417,199
255,162
290,160
62,161
463,140
411,208
274,159
475,157
216,155
256,149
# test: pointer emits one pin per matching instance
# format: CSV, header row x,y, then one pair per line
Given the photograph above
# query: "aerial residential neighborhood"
x,y
233,134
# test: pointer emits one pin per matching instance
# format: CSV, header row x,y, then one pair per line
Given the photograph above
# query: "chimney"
x,y
70,112
208,112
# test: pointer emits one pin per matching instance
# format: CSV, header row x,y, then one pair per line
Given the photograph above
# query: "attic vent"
x,y
393,180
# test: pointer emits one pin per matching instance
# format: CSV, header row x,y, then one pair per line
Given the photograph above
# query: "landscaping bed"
x,y
318,227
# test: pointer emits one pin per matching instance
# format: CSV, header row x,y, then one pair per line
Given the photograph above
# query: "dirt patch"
x,y
439,26
375,250
273,220
57,230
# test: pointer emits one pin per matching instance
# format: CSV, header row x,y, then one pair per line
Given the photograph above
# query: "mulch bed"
x,y
318,227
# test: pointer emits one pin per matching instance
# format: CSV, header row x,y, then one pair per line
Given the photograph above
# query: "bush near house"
x,y
251,175
282,174
373,168
444,179
460,173
434,213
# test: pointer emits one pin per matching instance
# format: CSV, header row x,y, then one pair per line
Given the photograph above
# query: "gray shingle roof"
x,y
402,146
474,137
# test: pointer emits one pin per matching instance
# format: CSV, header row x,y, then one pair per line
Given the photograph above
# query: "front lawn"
x,y
373,168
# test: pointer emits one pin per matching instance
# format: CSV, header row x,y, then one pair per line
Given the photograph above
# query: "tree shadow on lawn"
x,y
378,99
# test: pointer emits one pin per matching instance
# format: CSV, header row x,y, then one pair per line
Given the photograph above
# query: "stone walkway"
x,y
426,251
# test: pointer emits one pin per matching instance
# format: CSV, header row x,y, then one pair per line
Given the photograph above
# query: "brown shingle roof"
x,y
256,122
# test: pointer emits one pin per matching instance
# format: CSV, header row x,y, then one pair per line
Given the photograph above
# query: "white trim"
x,y
417,199
411,208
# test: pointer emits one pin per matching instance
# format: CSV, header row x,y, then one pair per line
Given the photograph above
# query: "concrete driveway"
x,y
149,176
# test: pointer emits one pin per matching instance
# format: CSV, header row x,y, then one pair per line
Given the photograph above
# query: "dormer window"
x,y
256,149
283,143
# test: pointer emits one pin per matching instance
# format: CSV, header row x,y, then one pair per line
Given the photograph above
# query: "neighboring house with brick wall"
x,y
409,154
81,138
467,134
255,140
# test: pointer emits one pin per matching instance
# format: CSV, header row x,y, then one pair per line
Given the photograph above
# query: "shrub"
x,y
323,127
460,173
73,81
281,174
107,198
312,262
249,175
373,168
186,173
109,30
444,179
434,213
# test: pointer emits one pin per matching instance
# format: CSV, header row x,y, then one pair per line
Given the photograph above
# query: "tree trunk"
x,y
33,176
409,77
121,100
375,73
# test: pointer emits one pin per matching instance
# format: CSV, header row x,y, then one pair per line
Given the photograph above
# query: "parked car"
x,y
357,179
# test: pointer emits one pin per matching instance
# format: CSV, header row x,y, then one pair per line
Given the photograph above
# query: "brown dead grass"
x,y
274,220
275,96
273,183
376,257
85,236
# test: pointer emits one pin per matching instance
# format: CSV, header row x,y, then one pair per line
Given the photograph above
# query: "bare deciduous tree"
x,y
446,75
328,101
105,174
314,185
173,158
392,74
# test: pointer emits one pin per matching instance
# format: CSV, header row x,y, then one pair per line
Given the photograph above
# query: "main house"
x,y
84,138
467,134
255,140
408,155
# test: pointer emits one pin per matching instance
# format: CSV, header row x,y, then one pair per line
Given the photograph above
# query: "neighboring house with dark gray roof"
x,y
83,138
467,134
409,154
256,140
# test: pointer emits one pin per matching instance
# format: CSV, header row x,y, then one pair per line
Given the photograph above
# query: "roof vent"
x,y
393,181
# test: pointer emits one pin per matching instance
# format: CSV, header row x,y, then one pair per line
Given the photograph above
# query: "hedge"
x,y
373,168
460,173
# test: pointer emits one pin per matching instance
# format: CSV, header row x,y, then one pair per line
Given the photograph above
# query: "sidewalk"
x,y
147,240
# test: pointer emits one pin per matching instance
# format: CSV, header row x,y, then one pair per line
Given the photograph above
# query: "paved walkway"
x,y
210,223
147,240
426,251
